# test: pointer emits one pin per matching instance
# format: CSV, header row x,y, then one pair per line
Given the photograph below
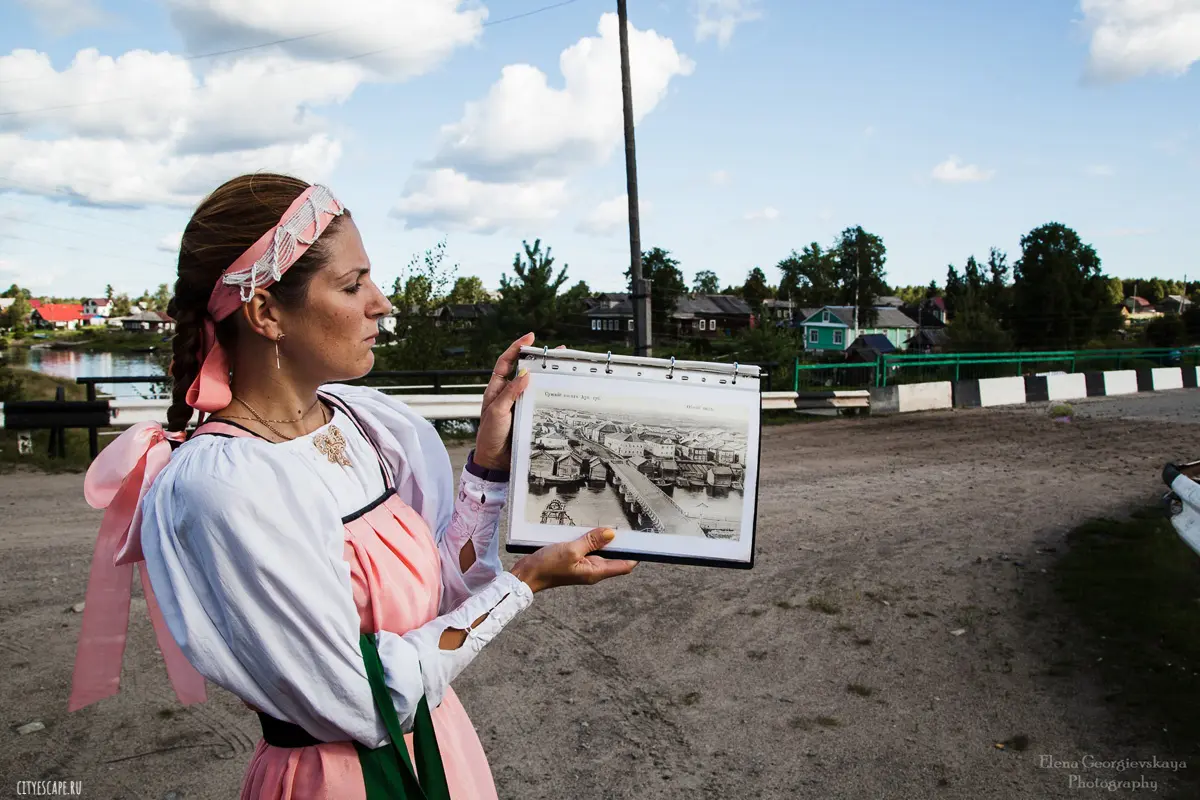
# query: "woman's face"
x,y
329,337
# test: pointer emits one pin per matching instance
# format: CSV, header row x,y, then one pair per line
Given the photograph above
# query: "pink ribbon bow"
x,y
117,481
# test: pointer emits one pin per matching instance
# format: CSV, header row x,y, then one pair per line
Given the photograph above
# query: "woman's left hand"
x,y
493,442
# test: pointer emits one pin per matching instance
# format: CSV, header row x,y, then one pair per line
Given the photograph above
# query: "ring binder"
x,y
649,447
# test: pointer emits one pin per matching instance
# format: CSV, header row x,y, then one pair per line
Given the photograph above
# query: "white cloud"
x,y
720,18
719,178
951,171
527,138
37,279
155,128
1100,171
62,17
170,242
825,215
449,199
1132,38
131,173
395,40
611,216
768,214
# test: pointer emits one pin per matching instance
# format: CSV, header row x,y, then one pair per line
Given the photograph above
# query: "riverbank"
x,y
94,340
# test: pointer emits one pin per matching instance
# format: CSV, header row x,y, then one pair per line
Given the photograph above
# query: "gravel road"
x,y
898,624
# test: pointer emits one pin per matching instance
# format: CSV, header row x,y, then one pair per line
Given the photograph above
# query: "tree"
x,y
162,298
108,292
666,285
529,300
121,306
1116,291
1166,331
573,301
18,312
17,291
706,282
755,289
809,277
911,295
1060,297
416,295
468,289
997,293
860,272
975,329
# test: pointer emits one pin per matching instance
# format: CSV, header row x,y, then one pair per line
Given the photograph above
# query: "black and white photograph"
x,y
670,464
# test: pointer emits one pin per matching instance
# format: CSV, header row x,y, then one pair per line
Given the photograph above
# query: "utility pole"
x,y
640,286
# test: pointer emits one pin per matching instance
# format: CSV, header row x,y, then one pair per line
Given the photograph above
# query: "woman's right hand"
x,y
569,563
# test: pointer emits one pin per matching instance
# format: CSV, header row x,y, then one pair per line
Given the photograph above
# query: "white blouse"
x,y
243,541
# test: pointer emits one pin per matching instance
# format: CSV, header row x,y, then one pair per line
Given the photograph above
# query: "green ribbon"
x,y
388,772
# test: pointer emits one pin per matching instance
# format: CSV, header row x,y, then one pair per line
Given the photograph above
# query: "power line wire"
x,y
305,66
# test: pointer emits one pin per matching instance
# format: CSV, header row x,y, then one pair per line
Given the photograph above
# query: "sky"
x,y
944,127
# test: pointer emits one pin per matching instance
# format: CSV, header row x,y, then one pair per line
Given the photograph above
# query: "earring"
x,y
278,339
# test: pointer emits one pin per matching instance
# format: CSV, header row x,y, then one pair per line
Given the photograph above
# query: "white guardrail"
x,y
126,413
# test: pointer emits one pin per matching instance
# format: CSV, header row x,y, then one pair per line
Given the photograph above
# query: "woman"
x,y
306,547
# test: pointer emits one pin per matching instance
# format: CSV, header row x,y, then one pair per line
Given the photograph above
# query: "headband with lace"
x,y
261,265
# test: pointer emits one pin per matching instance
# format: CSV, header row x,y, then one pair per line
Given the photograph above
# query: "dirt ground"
x,y
830,670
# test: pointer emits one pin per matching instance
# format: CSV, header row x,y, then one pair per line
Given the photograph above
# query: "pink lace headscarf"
x,y
260,266
122,474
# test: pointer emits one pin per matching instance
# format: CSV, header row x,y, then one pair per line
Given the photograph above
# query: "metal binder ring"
x,y
735,372
608,364
545,350
671,371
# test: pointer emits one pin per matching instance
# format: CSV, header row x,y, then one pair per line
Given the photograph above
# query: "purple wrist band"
x,y
490,475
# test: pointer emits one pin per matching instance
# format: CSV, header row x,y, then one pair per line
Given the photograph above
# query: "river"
x,y
72,364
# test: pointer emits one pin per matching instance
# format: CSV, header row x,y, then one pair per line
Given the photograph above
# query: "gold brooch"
x,y
333,445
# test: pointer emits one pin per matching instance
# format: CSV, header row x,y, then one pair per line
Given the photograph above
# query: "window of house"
x,y
825,317
712,324
595,324
837,337
814,336
630,325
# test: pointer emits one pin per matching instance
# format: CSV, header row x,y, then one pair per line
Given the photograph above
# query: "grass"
x,y
37,386
1136,587
823,605
97,340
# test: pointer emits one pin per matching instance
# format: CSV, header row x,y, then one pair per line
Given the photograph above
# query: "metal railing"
x,y
456,395
896,368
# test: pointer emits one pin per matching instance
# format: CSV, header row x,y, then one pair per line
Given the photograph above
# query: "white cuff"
x,y
501,600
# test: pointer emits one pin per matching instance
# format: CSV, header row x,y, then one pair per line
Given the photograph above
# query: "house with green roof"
x,y
832,328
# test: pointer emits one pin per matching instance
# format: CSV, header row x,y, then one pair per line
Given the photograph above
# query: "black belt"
x,y
278,733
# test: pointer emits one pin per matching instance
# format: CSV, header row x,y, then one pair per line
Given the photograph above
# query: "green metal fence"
x,y
826,377
903,368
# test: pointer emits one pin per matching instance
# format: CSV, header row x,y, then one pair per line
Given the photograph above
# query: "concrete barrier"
x,y
1191,377
1112,383
1001,392
885,399
1160,379
1066,387
909,397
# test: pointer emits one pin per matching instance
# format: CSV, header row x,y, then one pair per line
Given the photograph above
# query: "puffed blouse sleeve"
x,y
246,560
470,511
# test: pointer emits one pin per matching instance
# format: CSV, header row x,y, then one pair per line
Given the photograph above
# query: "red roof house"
x,y
58,315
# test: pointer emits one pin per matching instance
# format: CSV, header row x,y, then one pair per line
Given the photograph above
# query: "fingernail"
x,y
522,372
608,535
